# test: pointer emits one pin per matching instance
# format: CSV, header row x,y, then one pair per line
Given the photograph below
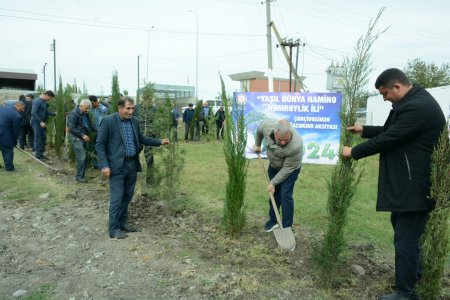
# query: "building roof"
x,y
17,74
255,75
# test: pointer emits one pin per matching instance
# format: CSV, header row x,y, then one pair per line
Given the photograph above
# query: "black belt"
x,y
130,157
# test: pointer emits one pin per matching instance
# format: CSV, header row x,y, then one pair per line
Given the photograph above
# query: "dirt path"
x,y
183,257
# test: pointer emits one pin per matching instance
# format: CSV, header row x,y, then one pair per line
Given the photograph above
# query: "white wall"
x,y
378,109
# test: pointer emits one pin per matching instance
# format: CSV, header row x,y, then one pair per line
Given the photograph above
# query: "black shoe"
x,y
269,226
130,228
81,180
118,234
395,296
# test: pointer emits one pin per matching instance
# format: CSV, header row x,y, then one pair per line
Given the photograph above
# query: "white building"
x,y
378,109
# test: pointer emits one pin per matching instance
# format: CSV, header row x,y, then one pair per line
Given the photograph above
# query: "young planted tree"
x,y
172,161
115,93
237,164
60,120
346,174
435,238
146,112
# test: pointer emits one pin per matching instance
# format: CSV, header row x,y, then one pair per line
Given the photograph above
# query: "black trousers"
x,y
408,227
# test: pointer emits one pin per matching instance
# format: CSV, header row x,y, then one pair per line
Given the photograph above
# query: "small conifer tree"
x,y
237,164
435,238
345,176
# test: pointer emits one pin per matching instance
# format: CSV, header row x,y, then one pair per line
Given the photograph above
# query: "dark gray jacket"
x,y
76,124
110,144
39,111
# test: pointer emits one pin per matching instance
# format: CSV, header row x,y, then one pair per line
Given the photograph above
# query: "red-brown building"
x,y
255,81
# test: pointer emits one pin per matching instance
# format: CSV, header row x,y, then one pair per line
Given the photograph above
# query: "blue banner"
x,y
314,115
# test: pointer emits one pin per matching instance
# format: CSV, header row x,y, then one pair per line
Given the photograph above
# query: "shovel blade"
x,y
285,238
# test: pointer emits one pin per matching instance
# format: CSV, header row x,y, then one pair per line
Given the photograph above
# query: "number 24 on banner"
x,y
316,152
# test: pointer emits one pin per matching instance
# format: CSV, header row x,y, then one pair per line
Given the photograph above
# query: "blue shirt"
x,y
130,146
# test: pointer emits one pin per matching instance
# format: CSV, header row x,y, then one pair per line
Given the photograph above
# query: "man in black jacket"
x,y
405,144
80,125
39,114
25,124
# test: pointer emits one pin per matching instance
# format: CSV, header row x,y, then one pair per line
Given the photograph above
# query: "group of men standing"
x,y
203,120
405,144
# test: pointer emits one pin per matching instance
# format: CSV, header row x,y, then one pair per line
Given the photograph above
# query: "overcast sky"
x,y
94,38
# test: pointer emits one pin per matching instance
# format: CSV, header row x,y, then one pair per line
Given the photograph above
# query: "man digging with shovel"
x,y
285,152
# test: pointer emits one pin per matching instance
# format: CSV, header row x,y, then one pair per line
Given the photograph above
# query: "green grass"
x,y
205,176
29,182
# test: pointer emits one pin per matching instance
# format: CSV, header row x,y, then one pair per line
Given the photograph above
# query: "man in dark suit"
x,y
9,132
117,148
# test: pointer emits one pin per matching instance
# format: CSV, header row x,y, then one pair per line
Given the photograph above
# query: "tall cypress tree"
x,y
237,165
435,238
115,93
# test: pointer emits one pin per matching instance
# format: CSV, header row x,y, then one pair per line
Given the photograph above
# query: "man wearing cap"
x,y
188,115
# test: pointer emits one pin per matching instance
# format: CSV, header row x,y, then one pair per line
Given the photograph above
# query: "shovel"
x,y
284,236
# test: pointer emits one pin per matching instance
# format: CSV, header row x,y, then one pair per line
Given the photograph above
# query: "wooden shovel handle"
x,y
272,199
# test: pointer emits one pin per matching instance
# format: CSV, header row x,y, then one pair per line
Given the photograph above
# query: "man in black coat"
x,y
9,131
405,144
25,124
117,146
188,115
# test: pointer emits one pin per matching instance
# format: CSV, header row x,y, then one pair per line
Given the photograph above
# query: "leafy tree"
x,y
427,75
435,238
346,174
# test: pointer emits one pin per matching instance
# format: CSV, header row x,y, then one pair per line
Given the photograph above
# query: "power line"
x,y
132,27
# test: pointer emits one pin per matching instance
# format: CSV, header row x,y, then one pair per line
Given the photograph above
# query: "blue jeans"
x,y
79,148
8,157
121,190
39,139
283,197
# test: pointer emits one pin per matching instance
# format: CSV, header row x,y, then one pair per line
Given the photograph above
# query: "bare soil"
x,y
174,257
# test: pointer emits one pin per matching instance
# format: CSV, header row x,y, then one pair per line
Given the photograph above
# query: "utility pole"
x,y
137,92
296,62
290,43
293,70
269,46
53,48
45,64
